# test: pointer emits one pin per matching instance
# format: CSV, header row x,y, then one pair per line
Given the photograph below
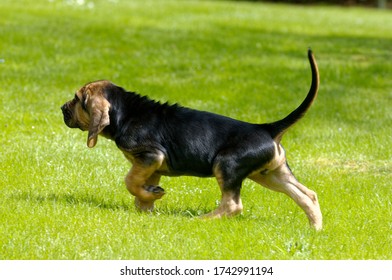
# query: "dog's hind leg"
x,y
229,206
230,187
281,179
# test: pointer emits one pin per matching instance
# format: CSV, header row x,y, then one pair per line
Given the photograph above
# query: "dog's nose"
x,y
66,112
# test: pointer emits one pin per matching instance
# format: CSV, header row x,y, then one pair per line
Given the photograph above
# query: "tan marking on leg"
x,y
282,180
278,159
137,181
230,204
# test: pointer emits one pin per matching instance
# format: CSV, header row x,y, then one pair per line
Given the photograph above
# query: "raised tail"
x,y
278,128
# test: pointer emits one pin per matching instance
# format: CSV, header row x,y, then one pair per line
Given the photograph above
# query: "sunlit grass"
x,y
61,200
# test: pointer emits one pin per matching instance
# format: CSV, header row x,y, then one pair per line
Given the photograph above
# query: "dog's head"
x,y
88,110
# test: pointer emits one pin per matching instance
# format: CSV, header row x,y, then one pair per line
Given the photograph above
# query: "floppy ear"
x,y
99,118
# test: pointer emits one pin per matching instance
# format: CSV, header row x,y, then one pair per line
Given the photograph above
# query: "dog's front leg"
x,y
142,182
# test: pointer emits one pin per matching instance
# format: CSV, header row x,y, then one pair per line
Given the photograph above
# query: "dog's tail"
x,y
278,128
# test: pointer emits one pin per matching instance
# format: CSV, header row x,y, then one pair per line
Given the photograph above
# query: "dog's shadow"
x,y
92,201
73,199
125,205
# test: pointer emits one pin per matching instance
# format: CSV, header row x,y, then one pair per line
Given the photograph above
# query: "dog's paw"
x,y
155,189
156,192
145,203
144,206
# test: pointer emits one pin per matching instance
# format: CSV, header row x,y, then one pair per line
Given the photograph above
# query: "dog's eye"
x,y
83,103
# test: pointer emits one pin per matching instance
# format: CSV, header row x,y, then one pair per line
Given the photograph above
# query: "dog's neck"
x,y
136,110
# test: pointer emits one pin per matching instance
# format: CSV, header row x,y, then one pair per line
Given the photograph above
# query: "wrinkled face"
x,y
88,110
75,111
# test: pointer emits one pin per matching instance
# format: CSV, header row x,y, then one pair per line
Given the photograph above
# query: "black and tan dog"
x,y
170,140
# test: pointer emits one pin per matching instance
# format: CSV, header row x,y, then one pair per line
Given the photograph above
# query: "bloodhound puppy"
x,y
170,140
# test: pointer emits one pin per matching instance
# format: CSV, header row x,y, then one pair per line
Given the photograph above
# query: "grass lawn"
x,y
61,200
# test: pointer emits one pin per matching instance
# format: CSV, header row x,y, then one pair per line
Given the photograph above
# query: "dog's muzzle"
x,y
67,114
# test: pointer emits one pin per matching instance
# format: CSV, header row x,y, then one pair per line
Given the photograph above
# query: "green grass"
x,y
61,200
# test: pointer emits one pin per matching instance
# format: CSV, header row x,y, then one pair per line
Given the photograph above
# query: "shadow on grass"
x,y
74,199
118,205
104,204
186,212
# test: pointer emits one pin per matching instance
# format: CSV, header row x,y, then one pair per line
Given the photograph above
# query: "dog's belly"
x,y
187,166
177,173
222,141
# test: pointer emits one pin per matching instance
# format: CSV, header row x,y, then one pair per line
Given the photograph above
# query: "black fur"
x,y
162,139
191,140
